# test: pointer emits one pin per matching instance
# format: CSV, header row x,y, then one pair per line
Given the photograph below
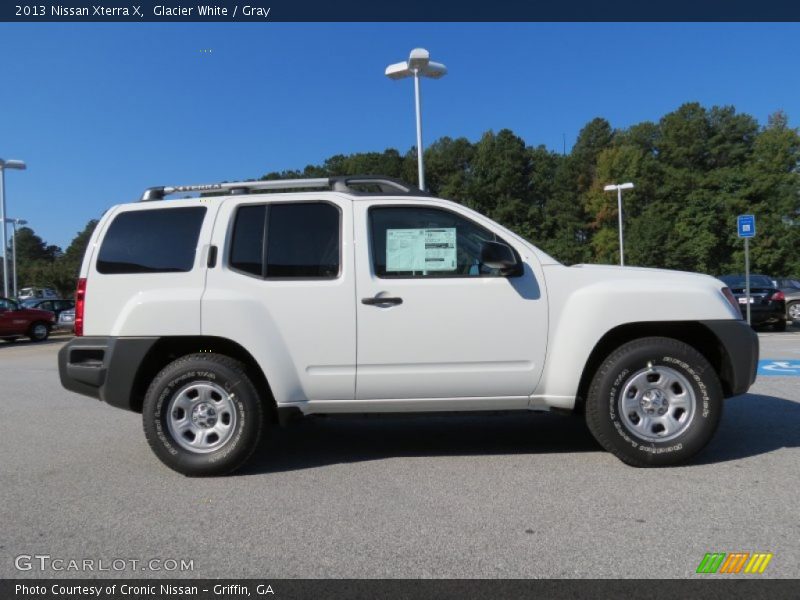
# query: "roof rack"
x,y
348,184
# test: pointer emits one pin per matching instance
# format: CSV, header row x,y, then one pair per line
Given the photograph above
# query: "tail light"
x,y
726,291
778,297
80,301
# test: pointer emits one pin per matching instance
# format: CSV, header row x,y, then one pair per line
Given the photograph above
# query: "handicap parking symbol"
x,y
779,368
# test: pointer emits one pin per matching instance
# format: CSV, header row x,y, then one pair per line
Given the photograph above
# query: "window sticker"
x,y
421,249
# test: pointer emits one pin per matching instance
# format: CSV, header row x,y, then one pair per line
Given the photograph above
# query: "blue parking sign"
x,y
746,226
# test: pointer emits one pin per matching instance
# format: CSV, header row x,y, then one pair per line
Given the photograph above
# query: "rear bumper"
x,y
740,345
104,367
761,315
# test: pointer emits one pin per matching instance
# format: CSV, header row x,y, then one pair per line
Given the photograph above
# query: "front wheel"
x,y
202,415
654,402
793,312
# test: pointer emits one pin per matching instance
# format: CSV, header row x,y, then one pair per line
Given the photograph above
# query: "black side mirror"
x,y
499,256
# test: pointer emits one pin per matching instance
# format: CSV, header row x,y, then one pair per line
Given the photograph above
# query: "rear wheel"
x,y
202,415
39,331
654,402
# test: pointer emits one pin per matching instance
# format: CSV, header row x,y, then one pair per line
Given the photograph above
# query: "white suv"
x,y
220,315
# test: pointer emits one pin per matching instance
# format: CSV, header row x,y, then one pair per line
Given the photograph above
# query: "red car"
x,y
16,321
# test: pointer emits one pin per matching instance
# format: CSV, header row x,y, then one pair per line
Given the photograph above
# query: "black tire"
x,y
793,309
780,325
243,406
39,331
630,369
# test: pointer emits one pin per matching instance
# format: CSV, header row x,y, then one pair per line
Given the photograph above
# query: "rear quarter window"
x,y
161,240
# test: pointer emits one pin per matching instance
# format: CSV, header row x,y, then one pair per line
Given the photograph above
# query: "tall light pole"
x,y
14,223
618,188
6,164
418,65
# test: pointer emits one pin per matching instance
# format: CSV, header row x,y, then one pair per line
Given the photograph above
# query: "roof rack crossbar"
x,y
386,185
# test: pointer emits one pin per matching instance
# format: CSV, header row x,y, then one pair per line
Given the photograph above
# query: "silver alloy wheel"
x,y
201,417
657,404
794,311
39,331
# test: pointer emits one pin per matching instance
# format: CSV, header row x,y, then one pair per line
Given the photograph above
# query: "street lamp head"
x,y
12,164
398,71
613,187
434,70
418,63
419,58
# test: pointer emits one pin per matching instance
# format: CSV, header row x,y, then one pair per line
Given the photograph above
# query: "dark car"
x,y
17,321
791,289
54,306
767,302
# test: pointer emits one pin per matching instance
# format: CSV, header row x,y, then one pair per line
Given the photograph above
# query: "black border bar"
x,y
711,586
264,11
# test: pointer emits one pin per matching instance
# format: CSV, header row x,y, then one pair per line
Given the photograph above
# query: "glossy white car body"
x,y
453,344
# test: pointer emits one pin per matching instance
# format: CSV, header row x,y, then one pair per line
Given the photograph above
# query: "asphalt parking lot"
x,y
524,496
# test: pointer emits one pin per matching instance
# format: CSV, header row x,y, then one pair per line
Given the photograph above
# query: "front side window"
x,y
423,242
299,240
151,241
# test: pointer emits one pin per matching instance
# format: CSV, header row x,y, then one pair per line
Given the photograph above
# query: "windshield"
x,y
6,304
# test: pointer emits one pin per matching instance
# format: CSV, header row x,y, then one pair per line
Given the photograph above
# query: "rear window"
x,y
738,281
151,241
293,240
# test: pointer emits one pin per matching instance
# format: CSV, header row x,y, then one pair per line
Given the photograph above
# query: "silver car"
x,y
66,320
791,289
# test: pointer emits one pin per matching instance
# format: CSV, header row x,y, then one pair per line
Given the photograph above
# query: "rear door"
x,y
450,327
284,290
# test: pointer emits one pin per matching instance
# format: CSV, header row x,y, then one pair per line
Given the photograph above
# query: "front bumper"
x,y
104,367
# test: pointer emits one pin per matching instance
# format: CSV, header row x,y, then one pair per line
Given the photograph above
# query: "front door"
x,y
433,322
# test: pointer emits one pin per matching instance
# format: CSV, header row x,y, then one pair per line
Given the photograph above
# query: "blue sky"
x,y
101,111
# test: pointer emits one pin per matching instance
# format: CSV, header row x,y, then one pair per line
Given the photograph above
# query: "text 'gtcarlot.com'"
x,y
45,562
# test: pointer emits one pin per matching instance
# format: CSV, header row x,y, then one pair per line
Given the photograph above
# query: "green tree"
x,y
773,195
30,247
694,171
566,224
499,180
448,164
